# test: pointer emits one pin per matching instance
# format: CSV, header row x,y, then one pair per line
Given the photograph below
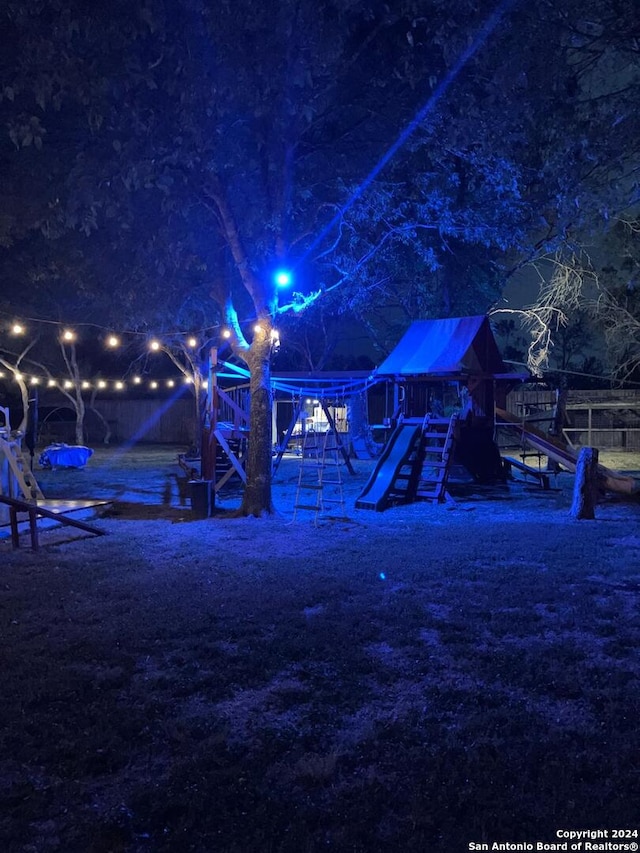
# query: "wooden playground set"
x,y
448,385
449,389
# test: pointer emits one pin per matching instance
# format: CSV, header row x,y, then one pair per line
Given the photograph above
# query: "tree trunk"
x,y
362,443
585,489
105,423
257,494
80,409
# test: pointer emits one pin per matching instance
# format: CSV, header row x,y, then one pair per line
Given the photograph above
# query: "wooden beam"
x,y
341,446
224,444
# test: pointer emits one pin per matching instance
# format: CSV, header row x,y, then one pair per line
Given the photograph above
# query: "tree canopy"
x,y
403,159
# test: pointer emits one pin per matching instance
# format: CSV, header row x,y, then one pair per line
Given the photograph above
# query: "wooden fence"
x,y
608,419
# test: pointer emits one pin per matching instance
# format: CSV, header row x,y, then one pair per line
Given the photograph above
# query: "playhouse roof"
x,y
457,346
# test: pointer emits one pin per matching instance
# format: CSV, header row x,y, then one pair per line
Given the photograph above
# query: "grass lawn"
x,y
413,680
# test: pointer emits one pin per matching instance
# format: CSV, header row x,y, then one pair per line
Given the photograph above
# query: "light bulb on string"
x,y
102,383
136,380
68,336
51,383
119,386
17,329
113,341
86,385
170,383
68,384
226,333
192,342
35,380
154,345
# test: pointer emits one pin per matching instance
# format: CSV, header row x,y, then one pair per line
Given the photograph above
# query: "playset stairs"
x,y
320,488
436,456
21,478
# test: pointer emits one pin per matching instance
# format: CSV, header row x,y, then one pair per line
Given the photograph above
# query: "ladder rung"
x,y
307,506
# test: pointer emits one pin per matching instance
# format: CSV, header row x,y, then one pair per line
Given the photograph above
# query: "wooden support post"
x,y
585,489
33,529
341,447
15,533
209,441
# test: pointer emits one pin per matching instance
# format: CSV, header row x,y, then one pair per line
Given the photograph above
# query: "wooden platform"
x,y
52,511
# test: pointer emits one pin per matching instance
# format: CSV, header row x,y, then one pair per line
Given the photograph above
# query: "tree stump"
x,y
585,489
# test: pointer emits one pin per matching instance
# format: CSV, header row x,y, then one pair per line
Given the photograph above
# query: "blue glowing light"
x,y
383,577
283,278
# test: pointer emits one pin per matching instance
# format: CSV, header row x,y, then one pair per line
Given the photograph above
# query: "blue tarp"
x,y
65,456
451,347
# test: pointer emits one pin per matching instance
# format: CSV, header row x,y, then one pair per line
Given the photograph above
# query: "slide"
x,y
551,447
396,453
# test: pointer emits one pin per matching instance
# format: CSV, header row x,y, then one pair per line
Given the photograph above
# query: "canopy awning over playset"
x,y
449,348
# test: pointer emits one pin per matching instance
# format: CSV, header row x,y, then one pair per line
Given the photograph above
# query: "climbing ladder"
x,y
21,479
436,456
320,477
16,477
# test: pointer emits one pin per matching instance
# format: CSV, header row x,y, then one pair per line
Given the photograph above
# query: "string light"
x,y
68,335
281,277
85,384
